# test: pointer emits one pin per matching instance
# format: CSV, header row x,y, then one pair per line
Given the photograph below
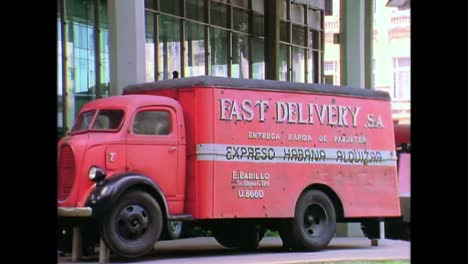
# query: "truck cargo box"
x,y
253,146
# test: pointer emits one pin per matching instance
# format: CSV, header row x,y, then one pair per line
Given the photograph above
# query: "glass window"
x,y
104,51
108,119
330,49
314,19
81,63
330,66
314,64
195,43
218,14
59,57
299,35
241,3
258,6
169,47
218,44
283,62
284,31
60,110
170,7
258,25
298,65
401,78
258,65
149,46
402,84
194,9
310,66
149,26
240,20
150,4
240,56
297,13
83,121
59,76
283,9
152,123
314,40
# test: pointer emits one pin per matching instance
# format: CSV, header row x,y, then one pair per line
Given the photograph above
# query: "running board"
x,y
183,217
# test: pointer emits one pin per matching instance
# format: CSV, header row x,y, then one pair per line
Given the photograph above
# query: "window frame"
x,y
122,121
398,91
172,120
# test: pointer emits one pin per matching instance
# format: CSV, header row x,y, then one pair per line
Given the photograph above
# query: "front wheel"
x,y
314,222
134,224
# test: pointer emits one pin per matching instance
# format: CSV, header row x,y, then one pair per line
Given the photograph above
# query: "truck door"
x,y
152,147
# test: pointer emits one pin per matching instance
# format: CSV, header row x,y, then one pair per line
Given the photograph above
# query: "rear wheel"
x,y
370,229
313,225
134,224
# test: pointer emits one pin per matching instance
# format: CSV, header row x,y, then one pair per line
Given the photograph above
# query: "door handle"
x,y
172,148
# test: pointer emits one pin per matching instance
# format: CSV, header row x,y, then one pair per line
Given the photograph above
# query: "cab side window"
x,y
153,122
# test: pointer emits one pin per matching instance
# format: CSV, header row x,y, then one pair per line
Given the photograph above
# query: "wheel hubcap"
x,y
132,222
315,220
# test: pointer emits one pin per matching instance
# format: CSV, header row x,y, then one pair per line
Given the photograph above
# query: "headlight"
x,y
96,174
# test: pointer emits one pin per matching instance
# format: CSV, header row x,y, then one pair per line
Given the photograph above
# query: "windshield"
x,y
83,121
106,119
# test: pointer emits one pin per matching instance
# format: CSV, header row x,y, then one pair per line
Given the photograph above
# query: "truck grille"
x,y
66,172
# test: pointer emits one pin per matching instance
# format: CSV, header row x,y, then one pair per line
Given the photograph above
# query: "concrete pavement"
x,y
207,250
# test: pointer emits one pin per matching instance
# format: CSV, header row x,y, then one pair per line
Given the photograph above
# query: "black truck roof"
x,y
251,84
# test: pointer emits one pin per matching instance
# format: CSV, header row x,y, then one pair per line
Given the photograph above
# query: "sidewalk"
x,y
207,250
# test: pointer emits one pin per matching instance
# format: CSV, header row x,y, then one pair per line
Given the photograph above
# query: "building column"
x,y
352,43
127,43
368,40
272,38
356,55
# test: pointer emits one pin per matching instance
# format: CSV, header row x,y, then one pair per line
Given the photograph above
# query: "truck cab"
x,y
121,148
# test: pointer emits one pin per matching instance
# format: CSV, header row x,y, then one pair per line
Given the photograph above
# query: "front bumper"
x,y
74,211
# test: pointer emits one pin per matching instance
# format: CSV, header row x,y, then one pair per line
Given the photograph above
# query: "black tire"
x,y
246,237
227,238
398,230
371,229
134,225
313,225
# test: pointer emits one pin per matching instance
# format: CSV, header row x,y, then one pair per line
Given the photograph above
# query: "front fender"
x,y
106,193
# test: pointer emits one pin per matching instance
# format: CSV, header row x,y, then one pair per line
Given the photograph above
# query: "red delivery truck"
x,y
234,156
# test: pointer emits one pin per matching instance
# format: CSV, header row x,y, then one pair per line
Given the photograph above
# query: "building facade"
x,y
193,37
82,56
391,58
